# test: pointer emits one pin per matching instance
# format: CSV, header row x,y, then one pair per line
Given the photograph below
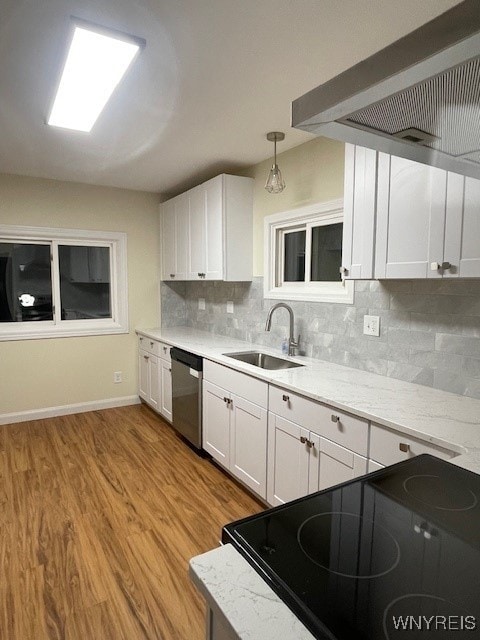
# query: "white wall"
x,y
36,374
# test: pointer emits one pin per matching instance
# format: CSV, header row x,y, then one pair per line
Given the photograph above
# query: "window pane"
x,y
25,282
84,282
294,265
326,253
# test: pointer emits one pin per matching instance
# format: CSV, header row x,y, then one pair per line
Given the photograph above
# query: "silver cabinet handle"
x,y
286,398
335,418
403,446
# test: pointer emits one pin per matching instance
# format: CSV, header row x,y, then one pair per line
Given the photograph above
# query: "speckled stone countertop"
x,y
246,605
442,418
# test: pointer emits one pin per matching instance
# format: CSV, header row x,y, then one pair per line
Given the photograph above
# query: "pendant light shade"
x,y
275,182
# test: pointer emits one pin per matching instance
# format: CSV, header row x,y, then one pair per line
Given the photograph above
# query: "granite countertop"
x,y
246,605
445,419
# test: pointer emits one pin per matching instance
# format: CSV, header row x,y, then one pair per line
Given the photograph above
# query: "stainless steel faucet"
x,y
292,343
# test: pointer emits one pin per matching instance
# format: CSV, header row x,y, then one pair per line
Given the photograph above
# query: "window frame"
x,y
57,328
303,218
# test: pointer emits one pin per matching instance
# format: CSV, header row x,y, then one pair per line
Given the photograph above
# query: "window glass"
x,y
84,282
294,258
326,254
25,282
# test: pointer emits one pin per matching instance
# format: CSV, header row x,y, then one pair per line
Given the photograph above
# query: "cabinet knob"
x,y
440,266
225,400
343,270
335,418
146,357
310,444
286,398
164,349
403,446
172,275
303,440
170,370
151,343
141,339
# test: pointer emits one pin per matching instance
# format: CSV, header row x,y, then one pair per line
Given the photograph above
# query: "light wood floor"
x,y
99,515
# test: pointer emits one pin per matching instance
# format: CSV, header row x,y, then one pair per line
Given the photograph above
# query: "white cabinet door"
x,y
143,375
154,378
166,389
331,464
411,200
374,466
168,240
462,230
196,232
213,268
248,444
359,212
287,461
181,236
216,422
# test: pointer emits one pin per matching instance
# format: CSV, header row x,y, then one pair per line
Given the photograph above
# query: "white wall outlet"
x,y
201,304
371,325
117,376
229,306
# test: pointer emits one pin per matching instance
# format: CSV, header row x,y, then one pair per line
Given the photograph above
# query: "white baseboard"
x,y
66,409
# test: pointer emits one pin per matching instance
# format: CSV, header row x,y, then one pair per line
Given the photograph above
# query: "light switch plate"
x,y
229,306
201,304
371,325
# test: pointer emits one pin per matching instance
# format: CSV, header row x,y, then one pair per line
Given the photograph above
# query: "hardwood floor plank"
x,y
99,514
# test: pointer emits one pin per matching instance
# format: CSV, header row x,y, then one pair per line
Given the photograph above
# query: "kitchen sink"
x,y
263,360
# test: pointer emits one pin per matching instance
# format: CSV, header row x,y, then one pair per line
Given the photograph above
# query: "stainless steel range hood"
x,y
418,98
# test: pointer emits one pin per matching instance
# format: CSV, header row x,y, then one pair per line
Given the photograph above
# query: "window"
x,y
61,282
304,253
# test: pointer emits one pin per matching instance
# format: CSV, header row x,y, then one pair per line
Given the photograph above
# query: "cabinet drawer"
x,y
388,447
344,429
156,348
240,384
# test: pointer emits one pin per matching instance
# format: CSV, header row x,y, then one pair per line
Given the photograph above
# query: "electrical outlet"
x,y
117,376
371,325
201,304
229,306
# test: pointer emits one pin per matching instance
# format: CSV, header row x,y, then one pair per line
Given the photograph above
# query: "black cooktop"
x,y
394,554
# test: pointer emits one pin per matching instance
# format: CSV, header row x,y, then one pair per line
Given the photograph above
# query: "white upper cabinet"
x,y
462,231
174,238
411,199
208,238
359,212
404,219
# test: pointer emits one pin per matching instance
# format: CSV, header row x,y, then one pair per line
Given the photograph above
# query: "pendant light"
x,y
275,182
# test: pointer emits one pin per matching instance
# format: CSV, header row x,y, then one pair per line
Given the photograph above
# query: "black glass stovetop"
x,y
395,554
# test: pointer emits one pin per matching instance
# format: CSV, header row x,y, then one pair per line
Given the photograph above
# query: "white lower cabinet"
x,y
235,427
154,375
301,461
287,460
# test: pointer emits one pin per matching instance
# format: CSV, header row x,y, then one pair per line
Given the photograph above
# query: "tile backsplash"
x,y
429,329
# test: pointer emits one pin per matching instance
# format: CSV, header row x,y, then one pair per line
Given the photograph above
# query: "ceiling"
x,y
214,78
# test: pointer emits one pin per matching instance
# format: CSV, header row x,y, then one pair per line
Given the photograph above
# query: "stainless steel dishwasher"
x,y
187,395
